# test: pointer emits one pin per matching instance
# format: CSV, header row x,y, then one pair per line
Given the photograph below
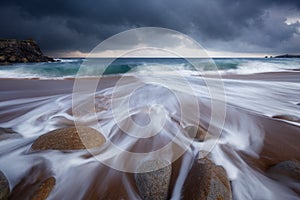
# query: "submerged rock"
x,y
6,133
206,180
44,190
153,179
291,118
71,138
288,173
198,133
21,51
4,187
289,169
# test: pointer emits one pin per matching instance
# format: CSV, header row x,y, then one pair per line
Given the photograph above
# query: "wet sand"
x,y
92,180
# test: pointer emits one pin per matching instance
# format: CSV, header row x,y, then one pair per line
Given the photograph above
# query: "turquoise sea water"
x,y
67,68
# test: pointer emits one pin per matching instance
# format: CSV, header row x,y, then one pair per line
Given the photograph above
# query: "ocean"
x,y
68,68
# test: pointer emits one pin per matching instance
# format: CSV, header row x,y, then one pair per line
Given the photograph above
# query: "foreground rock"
x,y
154,179
4,187
71,138
44,190
206,181
21,51
198,133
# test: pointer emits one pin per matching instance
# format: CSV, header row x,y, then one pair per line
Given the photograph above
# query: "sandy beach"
x,y
251,142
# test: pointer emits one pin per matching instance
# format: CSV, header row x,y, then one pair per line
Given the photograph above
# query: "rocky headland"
x,y
287,56
21,51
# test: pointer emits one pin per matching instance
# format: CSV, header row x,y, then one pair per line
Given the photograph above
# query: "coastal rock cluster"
x,y
21,51
205,179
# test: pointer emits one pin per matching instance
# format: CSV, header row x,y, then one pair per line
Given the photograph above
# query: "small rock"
x,y
198,133
44,190
289,169
12,59
153,179
6,133
287,173
291,118
71,138
206,181
2,58
24,60
4,187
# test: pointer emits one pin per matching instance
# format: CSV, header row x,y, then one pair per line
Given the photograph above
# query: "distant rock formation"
x,y
21,51
287,56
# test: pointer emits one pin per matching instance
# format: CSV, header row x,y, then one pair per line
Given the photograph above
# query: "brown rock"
x,y
71,138
206,181
198,133
4,187
153,179
44,190
32,181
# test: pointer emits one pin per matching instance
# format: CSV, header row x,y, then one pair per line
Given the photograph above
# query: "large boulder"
x,y
153,179
4,187
206,180
21,51
71,138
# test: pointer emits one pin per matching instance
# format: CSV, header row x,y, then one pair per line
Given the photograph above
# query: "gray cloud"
x,y
225,25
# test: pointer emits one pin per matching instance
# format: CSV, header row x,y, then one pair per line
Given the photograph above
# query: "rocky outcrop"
x,y
4,187
71,138
205,181
153,180
21,51
288,56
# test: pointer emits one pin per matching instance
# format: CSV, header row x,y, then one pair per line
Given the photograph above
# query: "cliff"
x,y
21,51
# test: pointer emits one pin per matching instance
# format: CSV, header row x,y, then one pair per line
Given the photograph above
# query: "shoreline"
x,y
250,76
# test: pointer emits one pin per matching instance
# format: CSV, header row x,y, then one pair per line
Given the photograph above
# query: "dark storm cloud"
x,y
223,25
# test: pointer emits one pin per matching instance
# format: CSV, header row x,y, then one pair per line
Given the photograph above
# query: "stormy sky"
x,y
223,27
